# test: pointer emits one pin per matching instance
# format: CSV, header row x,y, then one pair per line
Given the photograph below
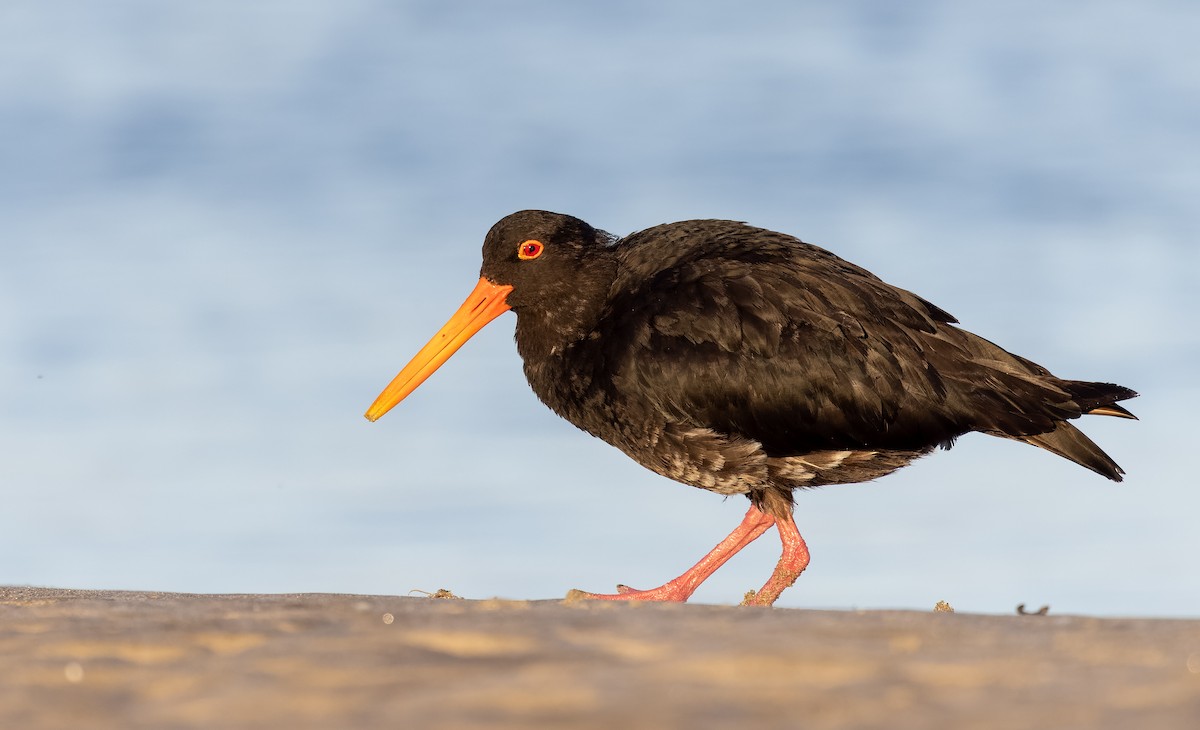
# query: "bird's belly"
x,y
701,457
706,457
846,466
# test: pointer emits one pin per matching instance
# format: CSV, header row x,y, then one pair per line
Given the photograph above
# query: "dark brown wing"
x,y
755,333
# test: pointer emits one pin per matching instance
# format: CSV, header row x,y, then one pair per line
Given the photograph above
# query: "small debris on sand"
x,y
439,593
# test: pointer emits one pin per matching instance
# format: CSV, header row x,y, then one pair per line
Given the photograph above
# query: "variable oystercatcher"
x,y
745,361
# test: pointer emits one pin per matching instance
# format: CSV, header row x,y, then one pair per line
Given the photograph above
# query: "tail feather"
x,y
1013,397
1099,398
1112,409
1071,443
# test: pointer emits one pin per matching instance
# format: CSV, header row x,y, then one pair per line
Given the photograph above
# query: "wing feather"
x,y
751,332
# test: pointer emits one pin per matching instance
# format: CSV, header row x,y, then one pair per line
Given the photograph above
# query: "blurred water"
x,y
227,225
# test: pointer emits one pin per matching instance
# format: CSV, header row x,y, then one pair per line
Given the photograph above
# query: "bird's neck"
x,y
562,361
578,304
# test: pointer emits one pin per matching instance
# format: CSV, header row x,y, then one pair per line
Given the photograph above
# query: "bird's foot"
x,y
791,564
681,588
673,592
775,586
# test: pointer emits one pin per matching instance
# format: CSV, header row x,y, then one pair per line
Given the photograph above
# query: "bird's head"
x,y
553,270
545,257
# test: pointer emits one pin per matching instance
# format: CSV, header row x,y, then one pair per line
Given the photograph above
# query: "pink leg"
x,y
680,589
791,564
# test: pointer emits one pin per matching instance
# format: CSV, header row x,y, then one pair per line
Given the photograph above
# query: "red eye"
x,y
530,250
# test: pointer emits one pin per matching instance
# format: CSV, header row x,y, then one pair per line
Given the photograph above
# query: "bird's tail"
x,y
1099,399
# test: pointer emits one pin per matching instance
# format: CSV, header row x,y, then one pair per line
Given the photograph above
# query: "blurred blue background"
x,y
224,226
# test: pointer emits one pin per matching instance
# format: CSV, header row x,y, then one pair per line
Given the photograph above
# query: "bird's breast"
x,y
575,381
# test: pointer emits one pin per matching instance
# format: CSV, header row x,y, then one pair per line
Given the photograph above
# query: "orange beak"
x,y
484,303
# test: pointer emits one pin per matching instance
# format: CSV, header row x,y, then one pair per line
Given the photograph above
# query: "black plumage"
x,y
744,361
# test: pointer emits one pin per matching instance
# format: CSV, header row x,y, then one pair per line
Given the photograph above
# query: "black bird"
x,y
745,361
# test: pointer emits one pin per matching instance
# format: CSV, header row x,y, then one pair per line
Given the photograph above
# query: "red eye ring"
x,y
530,249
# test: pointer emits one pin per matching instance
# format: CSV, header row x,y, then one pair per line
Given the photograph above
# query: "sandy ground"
x,y
107,659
